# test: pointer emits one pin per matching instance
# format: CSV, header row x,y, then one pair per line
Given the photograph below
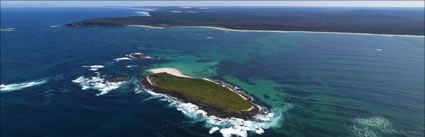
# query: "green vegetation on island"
x,y
212,97
205,91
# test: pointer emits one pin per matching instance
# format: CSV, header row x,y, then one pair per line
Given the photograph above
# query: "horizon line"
x,y
377,4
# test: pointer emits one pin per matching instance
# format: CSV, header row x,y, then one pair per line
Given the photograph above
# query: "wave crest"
x,y
97,82
132,56
12,87
94,67
7,29
143,13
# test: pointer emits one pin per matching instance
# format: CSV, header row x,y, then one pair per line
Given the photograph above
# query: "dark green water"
x,y
323,84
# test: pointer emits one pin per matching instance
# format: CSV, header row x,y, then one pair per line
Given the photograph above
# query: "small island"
x,y
214,98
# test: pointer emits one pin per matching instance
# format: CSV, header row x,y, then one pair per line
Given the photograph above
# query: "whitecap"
x,y
143,13
213,130
131,66
228,127
132,56
122,58
94,67
209,37
147,9
55,26
176,11
7,29
378,49
12,87
98,83
192,12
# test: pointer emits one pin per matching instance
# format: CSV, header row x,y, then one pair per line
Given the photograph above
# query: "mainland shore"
x,y
279,31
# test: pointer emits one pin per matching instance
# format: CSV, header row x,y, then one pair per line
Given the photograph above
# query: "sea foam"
x,y
55,26
228,127
93,67
122,58
143,13
147,9
7,29
372,127
18,86
97,82
132,56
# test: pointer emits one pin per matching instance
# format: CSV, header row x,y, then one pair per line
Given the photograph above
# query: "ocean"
x,y
53,79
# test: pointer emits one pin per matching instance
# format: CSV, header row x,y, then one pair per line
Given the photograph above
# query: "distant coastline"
x,y
358,21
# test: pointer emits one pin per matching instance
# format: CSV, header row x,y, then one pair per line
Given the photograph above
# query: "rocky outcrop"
x,y
118,79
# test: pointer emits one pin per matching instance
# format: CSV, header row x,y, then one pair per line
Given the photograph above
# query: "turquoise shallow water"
x,y
336,85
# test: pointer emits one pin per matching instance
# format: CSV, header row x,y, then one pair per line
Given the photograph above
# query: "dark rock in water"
x,y
118,79
266,96
210,109
294,92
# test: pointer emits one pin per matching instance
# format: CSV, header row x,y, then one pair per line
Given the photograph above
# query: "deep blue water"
x,y
338,85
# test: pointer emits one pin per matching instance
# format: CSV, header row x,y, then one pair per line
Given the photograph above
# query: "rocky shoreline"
x,y
118,79
210,109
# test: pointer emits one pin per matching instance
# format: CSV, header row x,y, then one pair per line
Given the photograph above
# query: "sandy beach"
x,y
146,26
280,31
171,71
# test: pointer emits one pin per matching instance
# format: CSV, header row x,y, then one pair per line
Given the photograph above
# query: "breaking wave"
x,y
228,127
122,58
7,29
131,66
12,87
147,9
94,67
372,127
133,56
143,13
55,26
97,82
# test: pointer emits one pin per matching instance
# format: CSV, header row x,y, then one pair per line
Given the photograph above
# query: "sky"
x,y
213,3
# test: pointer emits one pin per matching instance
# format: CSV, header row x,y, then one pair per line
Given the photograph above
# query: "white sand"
x,y
282,31
171,71
146,26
